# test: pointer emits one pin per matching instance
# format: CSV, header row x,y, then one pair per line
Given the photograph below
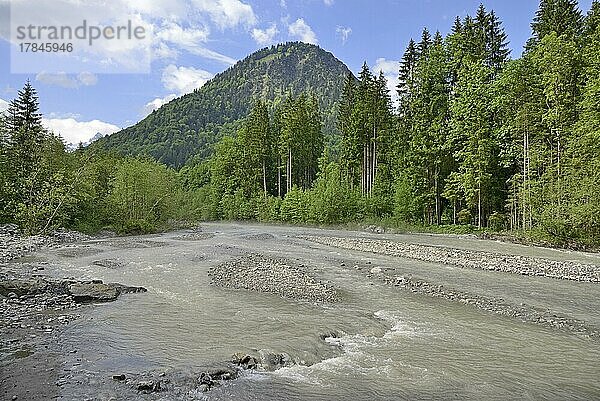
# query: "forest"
x,y
477,142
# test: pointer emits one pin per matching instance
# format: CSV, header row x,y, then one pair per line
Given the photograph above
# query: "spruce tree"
x,y
425,42
23,129
497,50
562,17
405,75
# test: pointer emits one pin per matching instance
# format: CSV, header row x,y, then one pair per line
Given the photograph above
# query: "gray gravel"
x,y
14,245
526,313
528,266
276,276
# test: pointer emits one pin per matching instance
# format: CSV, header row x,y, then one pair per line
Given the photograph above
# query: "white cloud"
x,y
283,3
328,2
390,71
184,79
3,105
344,32
386,66
157,104
191,39
228,13
59,79
186,37
74,132
181,80
87,78
265,36
172,25
301,30
67,80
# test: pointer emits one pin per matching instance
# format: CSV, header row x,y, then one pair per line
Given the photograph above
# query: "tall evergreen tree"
x,y
562,17
24,130
406,74
425,42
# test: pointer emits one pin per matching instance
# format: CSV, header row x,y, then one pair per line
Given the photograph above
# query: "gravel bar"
x,y
276,276
527,266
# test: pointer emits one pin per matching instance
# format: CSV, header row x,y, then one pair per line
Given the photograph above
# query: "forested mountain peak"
x,y
188,126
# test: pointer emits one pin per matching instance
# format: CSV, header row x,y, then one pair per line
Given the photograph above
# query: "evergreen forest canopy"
x,y
477,141
188,127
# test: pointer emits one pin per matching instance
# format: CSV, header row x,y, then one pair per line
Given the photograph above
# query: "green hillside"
x,y
190,125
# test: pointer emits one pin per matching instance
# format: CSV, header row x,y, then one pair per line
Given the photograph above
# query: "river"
x,y
391,344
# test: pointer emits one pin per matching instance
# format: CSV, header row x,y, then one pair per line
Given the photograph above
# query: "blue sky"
x,y
196,39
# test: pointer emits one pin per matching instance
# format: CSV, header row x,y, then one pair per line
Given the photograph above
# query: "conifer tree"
x,y
562,17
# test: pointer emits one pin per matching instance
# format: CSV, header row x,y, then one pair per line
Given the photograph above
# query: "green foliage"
x,y
268,208
142,195
497,221
295,206
465,217
476,140
406,203
332,200
190,125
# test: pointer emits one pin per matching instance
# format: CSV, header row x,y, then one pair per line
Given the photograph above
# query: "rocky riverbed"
x,y
13,244
523,312
256,272
35,309
468,259
269,294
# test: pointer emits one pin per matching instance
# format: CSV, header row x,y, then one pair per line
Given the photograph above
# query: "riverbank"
x,y
35,311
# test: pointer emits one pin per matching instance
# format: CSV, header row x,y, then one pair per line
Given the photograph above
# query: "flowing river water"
x,y
391,344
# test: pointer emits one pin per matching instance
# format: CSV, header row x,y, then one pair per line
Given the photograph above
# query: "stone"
x,y
93,292
22,286
149,386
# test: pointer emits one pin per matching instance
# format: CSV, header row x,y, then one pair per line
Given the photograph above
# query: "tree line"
x,y
475,140
44,186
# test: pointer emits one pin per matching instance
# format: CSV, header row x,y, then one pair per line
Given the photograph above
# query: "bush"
x,y
497,221
267,209
465,217
295,206
406,204
332,200
143,194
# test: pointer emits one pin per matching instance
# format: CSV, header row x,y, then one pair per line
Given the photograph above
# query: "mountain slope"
x,y
189,125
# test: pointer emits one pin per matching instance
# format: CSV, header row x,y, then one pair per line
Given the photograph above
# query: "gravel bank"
x,y
523,312
463,258
276,276
35,309
13,245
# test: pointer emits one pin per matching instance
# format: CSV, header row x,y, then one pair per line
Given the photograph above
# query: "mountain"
x,y
74,146
188,126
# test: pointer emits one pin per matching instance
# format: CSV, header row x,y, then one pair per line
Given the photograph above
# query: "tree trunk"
x,y
479,205
264,168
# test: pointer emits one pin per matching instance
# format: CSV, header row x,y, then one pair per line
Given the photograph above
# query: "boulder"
x,y
22,287
93,292
149,386
97,291
125,289
245,361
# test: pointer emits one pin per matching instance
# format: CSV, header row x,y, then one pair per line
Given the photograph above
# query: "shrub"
x,y
465,217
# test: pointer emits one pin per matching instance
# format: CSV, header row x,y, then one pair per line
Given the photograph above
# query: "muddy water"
x,y
393,344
